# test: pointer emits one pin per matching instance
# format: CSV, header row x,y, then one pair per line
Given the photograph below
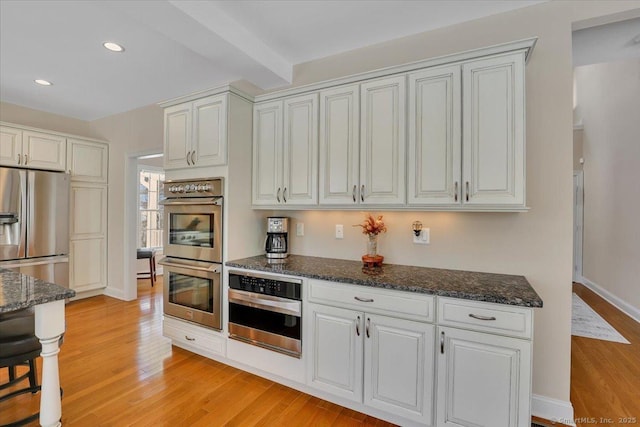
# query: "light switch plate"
x,y
300,229
339,231
423,238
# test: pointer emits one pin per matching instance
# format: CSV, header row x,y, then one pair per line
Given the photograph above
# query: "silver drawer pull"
x,y
188,338
476,316
363,299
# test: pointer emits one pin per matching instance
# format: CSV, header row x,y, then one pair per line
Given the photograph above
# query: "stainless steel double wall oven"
x,y
193,250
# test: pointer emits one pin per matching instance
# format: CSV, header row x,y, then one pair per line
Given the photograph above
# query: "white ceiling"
x,y
176,47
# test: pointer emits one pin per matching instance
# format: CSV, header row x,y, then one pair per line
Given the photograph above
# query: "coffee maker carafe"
x,y
276,245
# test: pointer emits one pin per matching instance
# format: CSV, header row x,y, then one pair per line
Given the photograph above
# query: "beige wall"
x,y
609,101
129,134
39,119
537,244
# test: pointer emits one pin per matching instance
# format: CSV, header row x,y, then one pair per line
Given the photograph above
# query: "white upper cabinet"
x,y
285,152
267,153
382,141
466,135
44,151
10,146
455,142
177,136
30,149
434,160
87,161
494,136
340,145
195,133
300,183
209,144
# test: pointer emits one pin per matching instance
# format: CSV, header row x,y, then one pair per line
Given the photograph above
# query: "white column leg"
x,y
49,325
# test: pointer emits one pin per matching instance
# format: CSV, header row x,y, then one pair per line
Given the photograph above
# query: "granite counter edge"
x,y
533,303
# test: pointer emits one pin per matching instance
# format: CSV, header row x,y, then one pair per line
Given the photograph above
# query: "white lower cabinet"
x,y
88,236
336,351
384,362
88,264
483,379
398,366
203,341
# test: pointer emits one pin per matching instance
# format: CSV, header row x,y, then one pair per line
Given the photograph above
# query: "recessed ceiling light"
x,y
43,82
113,47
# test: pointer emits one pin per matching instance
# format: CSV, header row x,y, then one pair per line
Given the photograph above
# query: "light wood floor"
x,y
116,369
605,376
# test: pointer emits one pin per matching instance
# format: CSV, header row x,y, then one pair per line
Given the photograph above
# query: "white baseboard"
x,y
554,410
114,293
617,302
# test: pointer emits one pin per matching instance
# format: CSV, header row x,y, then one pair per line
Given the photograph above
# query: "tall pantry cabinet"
x,y
87,164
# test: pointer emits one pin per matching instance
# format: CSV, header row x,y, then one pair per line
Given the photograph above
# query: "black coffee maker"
x,y
276,245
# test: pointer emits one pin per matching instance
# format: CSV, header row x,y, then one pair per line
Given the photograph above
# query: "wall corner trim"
x,y
115,293
553,410
614,300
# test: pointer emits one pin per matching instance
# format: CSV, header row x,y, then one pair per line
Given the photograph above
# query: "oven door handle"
x,y
265,302
212,269
191,201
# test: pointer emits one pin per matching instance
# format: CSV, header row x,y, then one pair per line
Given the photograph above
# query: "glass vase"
x,y
372,245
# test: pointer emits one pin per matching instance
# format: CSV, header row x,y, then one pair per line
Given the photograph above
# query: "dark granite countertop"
x,y
19,291
470,285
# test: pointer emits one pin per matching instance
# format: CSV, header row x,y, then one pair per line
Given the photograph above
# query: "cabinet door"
x,y
336,351
483,379
382,141
87,161
399,367
300,161
88,264
44,151
435,146
88,212
494,140
339,145
177,136
209,146
10,146
267,153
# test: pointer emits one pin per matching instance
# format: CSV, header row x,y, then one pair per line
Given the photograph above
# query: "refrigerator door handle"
x,y
22,216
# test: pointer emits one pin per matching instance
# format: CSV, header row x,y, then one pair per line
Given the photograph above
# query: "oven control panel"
x,y
265,286
190,188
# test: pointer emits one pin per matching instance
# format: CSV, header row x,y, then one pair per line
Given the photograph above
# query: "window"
x,y
150,214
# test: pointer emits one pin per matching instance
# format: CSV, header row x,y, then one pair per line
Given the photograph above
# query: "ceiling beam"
x,y
214,19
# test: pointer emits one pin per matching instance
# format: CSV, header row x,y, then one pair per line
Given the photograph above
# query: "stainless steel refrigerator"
x,y
34,223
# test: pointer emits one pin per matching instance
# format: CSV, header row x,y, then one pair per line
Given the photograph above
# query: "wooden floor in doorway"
x,y
605,376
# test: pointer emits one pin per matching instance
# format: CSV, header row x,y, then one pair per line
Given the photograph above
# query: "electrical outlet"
x,y
339,231
300,229
423,238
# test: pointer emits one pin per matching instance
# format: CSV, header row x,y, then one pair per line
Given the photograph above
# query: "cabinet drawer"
x,y
485,317
409,305
192,337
